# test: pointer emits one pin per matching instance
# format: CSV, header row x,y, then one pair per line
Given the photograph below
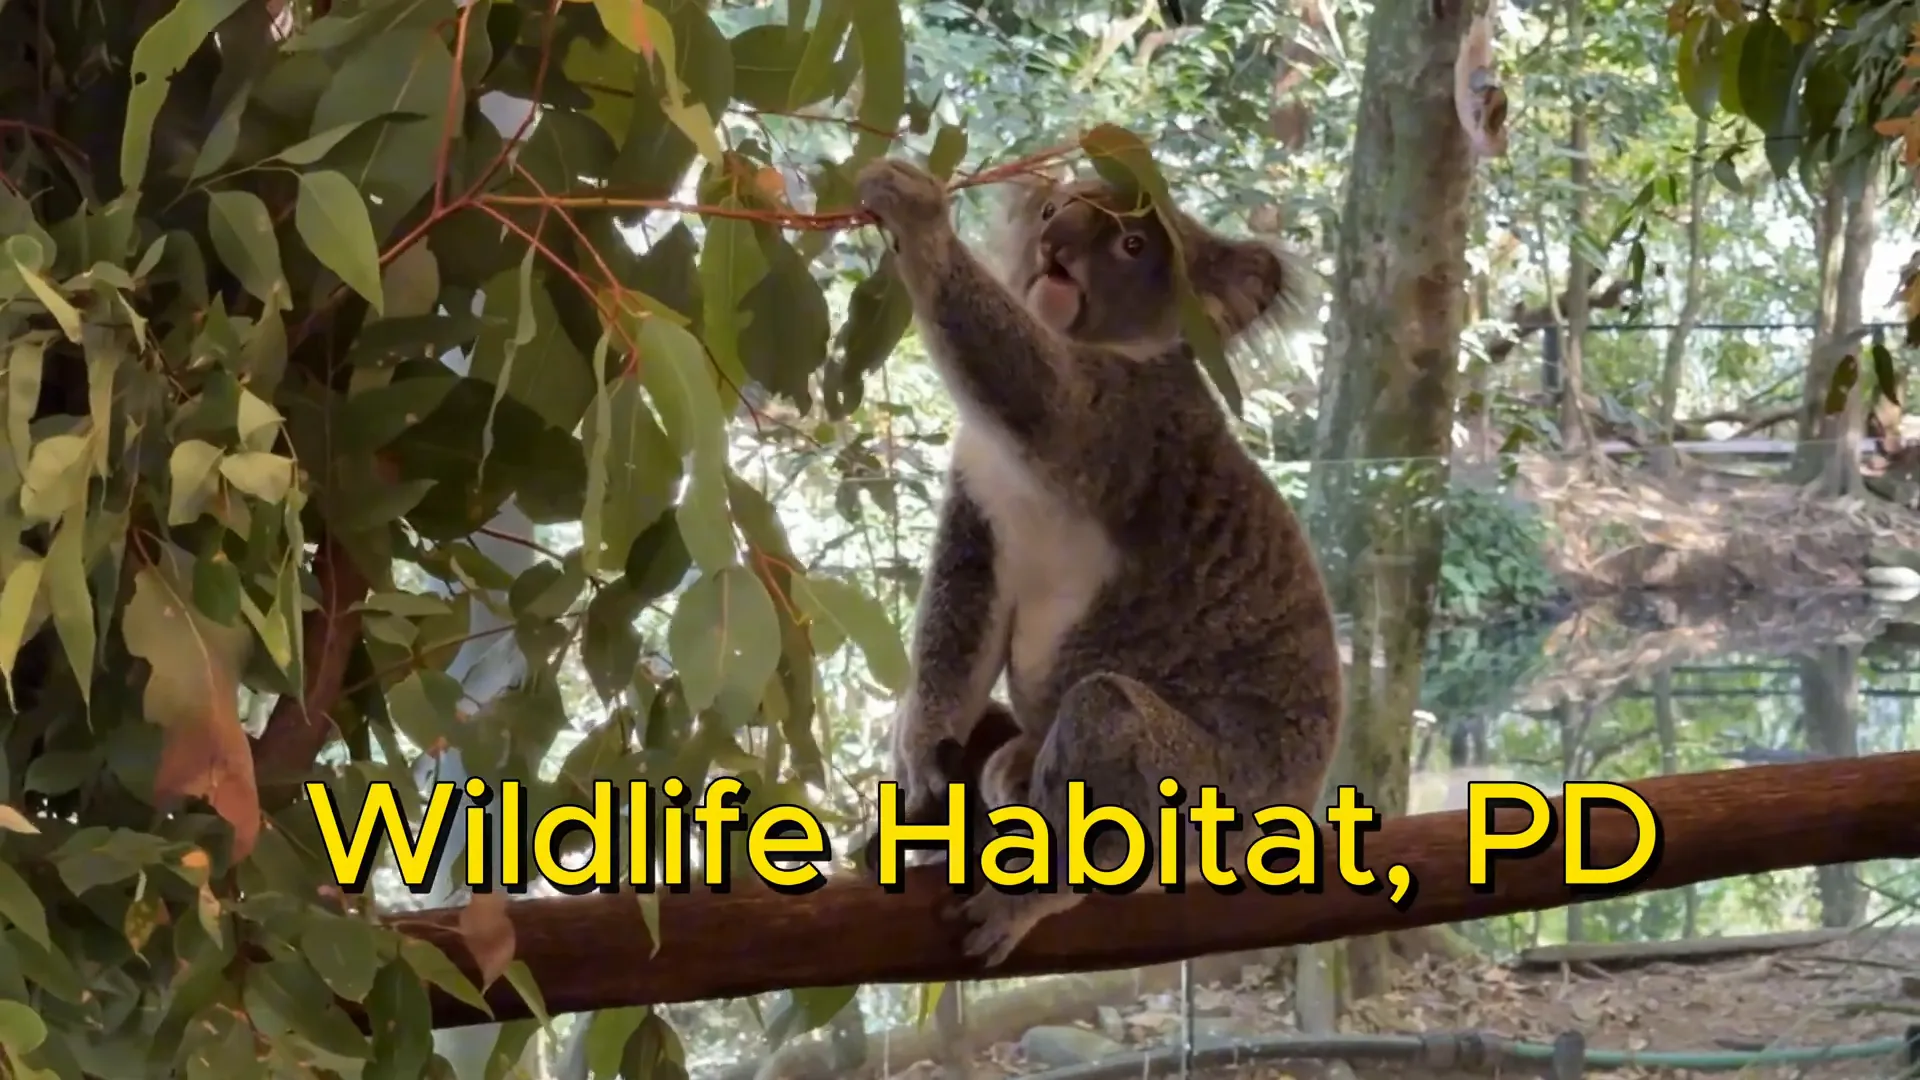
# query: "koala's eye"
x,y
1133,244
1046,211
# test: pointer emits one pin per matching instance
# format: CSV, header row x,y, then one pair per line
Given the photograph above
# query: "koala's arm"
x,y
959,644
989,348
992,353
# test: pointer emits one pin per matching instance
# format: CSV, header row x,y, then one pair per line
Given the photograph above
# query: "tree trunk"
x,y
1389,391
1842,432
1573,413
1664,460
1829,717
1843,242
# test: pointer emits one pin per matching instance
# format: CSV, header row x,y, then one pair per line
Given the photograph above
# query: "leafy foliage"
x,y
1493,558
298,299
1825,84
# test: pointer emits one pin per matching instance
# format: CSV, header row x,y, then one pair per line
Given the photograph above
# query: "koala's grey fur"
x,y
1106,542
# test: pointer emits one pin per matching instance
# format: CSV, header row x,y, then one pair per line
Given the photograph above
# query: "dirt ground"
x,y
1860,990
1706,529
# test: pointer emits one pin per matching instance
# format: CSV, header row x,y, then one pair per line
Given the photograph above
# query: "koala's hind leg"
x,y
1119,737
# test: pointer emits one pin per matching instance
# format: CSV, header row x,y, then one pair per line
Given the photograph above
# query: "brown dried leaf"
x,y
192,694
488,932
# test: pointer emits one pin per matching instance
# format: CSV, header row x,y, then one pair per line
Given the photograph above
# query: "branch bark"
x,y
593,952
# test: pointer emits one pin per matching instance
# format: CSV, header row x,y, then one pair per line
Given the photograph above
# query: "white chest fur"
x,y
1052,560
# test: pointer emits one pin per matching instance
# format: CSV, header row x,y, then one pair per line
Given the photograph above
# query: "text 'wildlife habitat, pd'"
x,y
786,844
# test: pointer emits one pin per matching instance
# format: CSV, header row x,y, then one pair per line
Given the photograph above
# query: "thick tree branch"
x,y
593,952
300,727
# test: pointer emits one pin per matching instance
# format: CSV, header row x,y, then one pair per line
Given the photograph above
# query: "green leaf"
x,y
725,641
1731,47
242,234
71,601
1769,66
784,340
640,470
1727,173
284,997
859,618
19,906
344,951
312,149
25,365
225,136
731,264
658,560
402,1016
16,607
424,706
332,218
266,477
21,1029
526,352
607,1033
432,965
1123,160
801,1011
949,147
57,772
1698,69
163,50
597,434
58,306
95,856
765,60
650,915
56,477
878,314
192,468
406,71
813,78
257,422
609,644
216,588
883,74
638,27
673,367
520,977
411,284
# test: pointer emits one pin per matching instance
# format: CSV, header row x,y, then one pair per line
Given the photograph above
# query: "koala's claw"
x,y
1002,920
901,194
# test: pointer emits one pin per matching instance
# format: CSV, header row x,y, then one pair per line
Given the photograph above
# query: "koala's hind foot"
x,y
990,740
1119,737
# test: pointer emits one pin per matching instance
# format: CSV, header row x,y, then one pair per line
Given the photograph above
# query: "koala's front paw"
x,y
905,197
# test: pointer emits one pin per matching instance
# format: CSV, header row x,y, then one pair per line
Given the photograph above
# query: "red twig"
x,y
39,132
452,122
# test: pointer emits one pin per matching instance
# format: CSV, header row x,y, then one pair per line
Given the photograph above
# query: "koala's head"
x,y
1095,263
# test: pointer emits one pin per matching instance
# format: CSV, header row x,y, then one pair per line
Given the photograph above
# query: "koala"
x,y
1106,544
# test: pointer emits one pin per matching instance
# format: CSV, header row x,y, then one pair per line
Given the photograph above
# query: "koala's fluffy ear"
x,y
1247,283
